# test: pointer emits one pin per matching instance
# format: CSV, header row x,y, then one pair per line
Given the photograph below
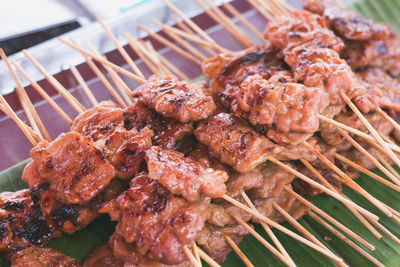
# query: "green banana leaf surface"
x,y
81,243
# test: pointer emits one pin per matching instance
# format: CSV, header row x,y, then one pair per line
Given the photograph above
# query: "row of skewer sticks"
x,y
189,31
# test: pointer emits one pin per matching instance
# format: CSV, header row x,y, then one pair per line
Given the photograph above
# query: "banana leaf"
x,y
81,243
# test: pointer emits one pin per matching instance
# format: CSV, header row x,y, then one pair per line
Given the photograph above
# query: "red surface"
x,y
15,146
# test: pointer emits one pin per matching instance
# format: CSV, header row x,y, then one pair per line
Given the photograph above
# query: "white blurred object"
x,y
106,9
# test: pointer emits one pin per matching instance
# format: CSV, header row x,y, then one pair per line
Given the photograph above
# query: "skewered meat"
x,y
276,103
74,168
382,91
42,257
304,188
21,223
102,256
298,151
166,131
175,99
234,142
184,176
153,224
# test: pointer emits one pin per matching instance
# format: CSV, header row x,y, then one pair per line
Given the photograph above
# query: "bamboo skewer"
x,y
348,181
43,93
196,253
82,83
268,230
123,89
262,240
280,228
260,10
208,259
388,118
151,53
245,22
190,256
29,109
345,239
241,255
56,84
324,189
388,166
370,128
122,51
330,219
271,10
351,209
170,45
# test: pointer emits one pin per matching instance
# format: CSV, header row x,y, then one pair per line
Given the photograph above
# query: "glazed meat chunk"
x,y
21,223
382,91
166,131
75,169
98,121
42,257
183,175
152,223
102,256
284,106
175,99
234,142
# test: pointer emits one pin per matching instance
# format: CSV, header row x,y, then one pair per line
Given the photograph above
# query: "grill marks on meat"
x,y
21,223
166,131
184,176
153,224
75,169
42,257
175,99
234,142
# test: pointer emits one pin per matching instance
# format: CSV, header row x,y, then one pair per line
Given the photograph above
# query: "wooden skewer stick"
x,y
151,53
179,40
262,240
43,93
369,156
245,22
189,22
268,230
122,51
324,189
267,6
370,128
241,255
260,10
218,16
104,61
208,259
102,78
330,218
351,209
196,253
367,172
275,4
121,85
56,84
286,5
301,229
281,228
388,166
354,131
174,69
345,239
386,232
82,83
169,44
190,256
348,181
186,29
388,118
135,45
29,109
24,128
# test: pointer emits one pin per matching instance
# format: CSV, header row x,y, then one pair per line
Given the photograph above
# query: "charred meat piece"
x,y
166,131
74,168
234,142
98,121
183,175
382,91
102,256
42,257
284,106
152,223
175,99
22,224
